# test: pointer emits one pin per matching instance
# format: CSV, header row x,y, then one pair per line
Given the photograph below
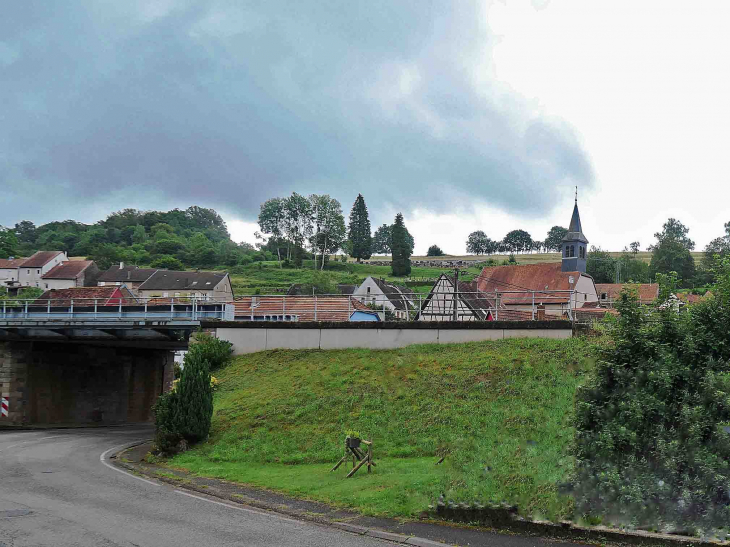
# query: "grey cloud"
x,y
228,103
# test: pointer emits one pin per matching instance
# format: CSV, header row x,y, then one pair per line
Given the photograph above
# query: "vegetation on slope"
x,y
499,412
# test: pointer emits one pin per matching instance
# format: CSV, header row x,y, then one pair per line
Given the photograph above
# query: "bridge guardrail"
x,y
178,309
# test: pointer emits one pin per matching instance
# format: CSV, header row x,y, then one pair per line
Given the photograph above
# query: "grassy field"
x,y
499,412
267,276
530,258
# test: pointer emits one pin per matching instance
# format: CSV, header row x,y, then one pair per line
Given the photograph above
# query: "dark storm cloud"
x,y
225,104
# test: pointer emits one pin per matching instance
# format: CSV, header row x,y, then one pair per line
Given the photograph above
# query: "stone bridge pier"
x,y
56,383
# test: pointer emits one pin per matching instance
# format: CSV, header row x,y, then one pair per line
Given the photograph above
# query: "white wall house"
x,y
32,270
380,293
9,272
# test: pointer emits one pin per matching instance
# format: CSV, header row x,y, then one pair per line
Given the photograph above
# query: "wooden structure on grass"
x,y
359,457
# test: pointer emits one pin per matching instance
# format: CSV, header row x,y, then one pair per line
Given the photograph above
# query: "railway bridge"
x,y
90,362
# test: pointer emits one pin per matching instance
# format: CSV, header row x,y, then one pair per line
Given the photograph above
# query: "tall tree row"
x,y
359,237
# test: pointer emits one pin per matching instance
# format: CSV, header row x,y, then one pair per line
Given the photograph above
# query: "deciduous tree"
x,y
554,239
381,240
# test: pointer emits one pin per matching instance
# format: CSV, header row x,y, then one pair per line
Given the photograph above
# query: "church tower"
x,y
575,244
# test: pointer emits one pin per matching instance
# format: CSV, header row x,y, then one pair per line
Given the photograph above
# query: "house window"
x,y
28,272
37,271
603,296
368,290
177,294
585,297
46,285
164,295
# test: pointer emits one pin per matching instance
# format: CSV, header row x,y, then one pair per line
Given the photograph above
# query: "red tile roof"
x,y
692,298
68,270
11,263
533,277
84,296
648,292
40,259
329,308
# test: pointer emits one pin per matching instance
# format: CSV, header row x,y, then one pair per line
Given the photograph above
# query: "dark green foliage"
x,y
193,237
361,242
186,412
671,252
555,238
168,262
600,265
195,398
434,250
381,240
8,243
517,241
401,247
651,441
166,433
478,243
215,351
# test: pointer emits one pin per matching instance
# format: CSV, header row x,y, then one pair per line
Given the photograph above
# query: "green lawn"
x,y
499,412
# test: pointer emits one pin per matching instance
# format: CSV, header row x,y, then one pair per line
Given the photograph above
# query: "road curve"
x,y
55,489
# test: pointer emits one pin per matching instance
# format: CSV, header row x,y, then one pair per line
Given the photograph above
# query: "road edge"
x,y
546,530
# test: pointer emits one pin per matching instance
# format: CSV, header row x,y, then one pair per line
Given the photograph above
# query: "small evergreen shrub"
x,y
194,399
185,413
652,441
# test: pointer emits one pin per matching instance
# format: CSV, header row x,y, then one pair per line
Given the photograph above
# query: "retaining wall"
x,y
250,337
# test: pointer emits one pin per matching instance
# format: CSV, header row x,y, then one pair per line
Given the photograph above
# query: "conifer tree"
x,y
401,247
194,398
359,236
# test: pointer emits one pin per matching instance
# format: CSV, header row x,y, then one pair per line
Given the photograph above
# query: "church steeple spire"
x,y
575,244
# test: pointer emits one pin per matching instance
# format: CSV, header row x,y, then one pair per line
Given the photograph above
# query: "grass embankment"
x,y
499,412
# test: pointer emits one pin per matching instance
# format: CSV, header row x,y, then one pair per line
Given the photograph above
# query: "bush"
x,y
186,412
652,445
167,262
434,250
215,351
167,436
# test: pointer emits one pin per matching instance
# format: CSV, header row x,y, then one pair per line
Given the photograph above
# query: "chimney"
x,y
121,265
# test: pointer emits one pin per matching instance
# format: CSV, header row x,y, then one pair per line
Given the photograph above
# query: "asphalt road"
x,y
56,490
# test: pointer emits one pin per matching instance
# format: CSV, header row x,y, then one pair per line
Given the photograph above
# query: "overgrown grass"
x,y
499,412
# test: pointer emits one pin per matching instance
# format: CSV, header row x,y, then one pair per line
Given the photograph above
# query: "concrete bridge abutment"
x,y
55,383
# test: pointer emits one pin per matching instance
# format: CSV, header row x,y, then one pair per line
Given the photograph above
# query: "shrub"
x,y
434,250
185,413
215,351
652,444
194,399
167,436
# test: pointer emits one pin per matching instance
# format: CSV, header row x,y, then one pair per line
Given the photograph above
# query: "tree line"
x,y
295,227
176,239
516,241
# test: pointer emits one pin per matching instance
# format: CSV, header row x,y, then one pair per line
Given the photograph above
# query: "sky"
x,y
468,115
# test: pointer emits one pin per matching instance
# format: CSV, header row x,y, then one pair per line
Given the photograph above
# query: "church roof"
x,y
575,231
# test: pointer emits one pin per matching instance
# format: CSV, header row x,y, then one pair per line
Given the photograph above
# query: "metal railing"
x,y
90,309
437,305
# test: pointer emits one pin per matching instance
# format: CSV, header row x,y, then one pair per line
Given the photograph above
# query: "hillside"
x,y
498,411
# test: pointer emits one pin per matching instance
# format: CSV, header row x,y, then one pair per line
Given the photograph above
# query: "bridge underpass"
x,y
71,368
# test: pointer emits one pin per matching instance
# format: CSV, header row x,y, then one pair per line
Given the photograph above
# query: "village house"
x,y
74,273
195,284
472,304
32,270
130,276
382,294
302,308
86,296
559,288
9,273
608,293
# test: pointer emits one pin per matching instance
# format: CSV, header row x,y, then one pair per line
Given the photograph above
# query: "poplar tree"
x,y
401,247
359,236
